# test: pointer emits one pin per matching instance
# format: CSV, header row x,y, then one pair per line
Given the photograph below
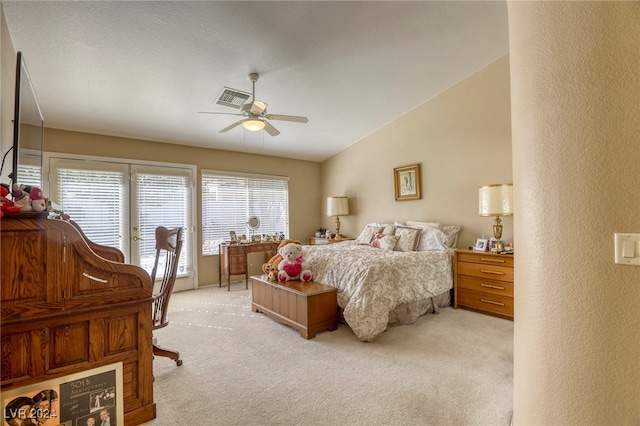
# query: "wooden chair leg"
x,y
174,355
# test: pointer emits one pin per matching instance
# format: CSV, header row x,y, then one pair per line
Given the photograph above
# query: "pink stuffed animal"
x,y
293,267
37,199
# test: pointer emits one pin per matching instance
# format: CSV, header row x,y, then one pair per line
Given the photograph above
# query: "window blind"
x,y
228,200
95,199
163,199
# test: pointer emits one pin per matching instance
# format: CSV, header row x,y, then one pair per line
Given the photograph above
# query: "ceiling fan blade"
x,y
270,129
223,113
294,118
236,124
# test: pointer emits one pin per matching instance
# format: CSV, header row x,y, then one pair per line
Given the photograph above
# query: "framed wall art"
x,y
406,181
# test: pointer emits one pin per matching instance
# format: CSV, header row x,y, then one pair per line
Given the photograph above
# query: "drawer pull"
x,y
491,272
496,287
492,260
91,277
492,302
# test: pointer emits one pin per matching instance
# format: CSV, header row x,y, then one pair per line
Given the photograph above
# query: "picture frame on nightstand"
x,y
480,245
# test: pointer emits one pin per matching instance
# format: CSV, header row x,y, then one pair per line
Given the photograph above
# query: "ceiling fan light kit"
x,y
253,124
254,111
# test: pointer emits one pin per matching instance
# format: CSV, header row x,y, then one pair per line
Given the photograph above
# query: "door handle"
x,y
137,239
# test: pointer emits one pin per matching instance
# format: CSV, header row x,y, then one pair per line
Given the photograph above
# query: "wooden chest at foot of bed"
x,y
308,307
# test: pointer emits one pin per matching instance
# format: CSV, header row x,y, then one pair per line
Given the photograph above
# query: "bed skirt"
x,y
408,313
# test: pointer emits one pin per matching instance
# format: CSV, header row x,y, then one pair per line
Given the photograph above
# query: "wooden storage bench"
x,y
308,307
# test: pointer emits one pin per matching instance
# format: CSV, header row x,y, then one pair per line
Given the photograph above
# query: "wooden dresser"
x,y
66,310
483,282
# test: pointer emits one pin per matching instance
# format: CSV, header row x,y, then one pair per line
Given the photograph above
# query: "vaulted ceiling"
x,y
145,69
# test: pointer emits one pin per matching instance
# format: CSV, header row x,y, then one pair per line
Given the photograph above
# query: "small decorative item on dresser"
x,y
483,282
481,245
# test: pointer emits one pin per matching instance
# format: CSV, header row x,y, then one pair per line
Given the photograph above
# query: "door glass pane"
x,y
163,199
94,197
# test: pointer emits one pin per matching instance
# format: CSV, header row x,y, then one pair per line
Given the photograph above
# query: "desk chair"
x,y
168,245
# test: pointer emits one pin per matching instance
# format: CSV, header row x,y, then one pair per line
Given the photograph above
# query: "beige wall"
x,y
574,70
304,183
461,138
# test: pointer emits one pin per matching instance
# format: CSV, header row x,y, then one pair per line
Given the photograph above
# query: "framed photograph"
x,y
233,235
406,181
481,245
87,398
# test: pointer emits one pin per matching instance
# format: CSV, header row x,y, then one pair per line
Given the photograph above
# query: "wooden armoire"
x,y
66,309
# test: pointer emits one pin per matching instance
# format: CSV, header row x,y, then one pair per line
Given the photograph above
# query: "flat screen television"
x,y
28,130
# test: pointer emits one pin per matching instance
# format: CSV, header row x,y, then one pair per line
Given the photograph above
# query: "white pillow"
x,y
431,239
368,232
451,231
408,238
384,242
421,224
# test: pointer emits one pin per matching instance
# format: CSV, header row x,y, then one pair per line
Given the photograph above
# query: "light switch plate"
x,y
627,249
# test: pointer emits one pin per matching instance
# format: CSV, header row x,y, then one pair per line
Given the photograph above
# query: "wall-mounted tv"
x,y
28,130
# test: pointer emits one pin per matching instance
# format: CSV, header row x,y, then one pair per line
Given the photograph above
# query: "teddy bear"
x,y
293,267
37,199
21,198
270,268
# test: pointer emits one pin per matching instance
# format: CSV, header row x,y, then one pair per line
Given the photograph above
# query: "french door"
x,y
121,204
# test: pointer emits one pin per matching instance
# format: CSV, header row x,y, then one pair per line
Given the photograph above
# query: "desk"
x,y
233,259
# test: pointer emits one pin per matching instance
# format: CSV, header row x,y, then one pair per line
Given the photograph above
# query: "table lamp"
x,y
496,200
337,206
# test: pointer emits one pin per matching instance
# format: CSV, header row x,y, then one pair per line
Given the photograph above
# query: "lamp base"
x,y
338,236
497,234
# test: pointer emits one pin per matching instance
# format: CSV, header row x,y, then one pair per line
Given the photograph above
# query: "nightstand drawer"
x,y
488,286
487,271
489,302
485,259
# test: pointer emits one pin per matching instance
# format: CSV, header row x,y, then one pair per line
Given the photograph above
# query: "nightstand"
x,y
483,282
316,241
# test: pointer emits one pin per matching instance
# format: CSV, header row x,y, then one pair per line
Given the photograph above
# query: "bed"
x,y
379,288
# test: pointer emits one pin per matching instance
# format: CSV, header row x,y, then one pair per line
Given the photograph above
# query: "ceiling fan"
x,y
256,116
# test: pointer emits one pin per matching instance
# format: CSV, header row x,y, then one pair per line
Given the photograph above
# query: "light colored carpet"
x,y
242,368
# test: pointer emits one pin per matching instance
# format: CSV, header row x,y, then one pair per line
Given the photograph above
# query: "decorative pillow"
x,y
384,242
431,239
387,227
421,224
451,231
368,232
408,238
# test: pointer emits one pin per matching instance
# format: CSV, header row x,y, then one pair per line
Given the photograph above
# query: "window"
x,y
228,200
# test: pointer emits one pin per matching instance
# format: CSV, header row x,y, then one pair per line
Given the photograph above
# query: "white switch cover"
x,y
627,249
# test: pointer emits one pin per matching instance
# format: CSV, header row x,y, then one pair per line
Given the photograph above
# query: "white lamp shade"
x,y
337,206
496,200
253,124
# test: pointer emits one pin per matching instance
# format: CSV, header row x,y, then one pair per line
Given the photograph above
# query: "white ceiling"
x,y
143,69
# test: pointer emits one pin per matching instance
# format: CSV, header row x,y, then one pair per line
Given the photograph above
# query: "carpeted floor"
x,y
242,368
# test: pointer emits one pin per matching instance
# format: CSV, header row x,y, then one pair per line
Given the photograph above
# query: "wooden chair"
x,y
168,245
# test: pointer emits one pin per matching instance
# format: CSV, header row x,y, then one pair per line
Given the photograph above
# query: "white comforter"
x,y
371,281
